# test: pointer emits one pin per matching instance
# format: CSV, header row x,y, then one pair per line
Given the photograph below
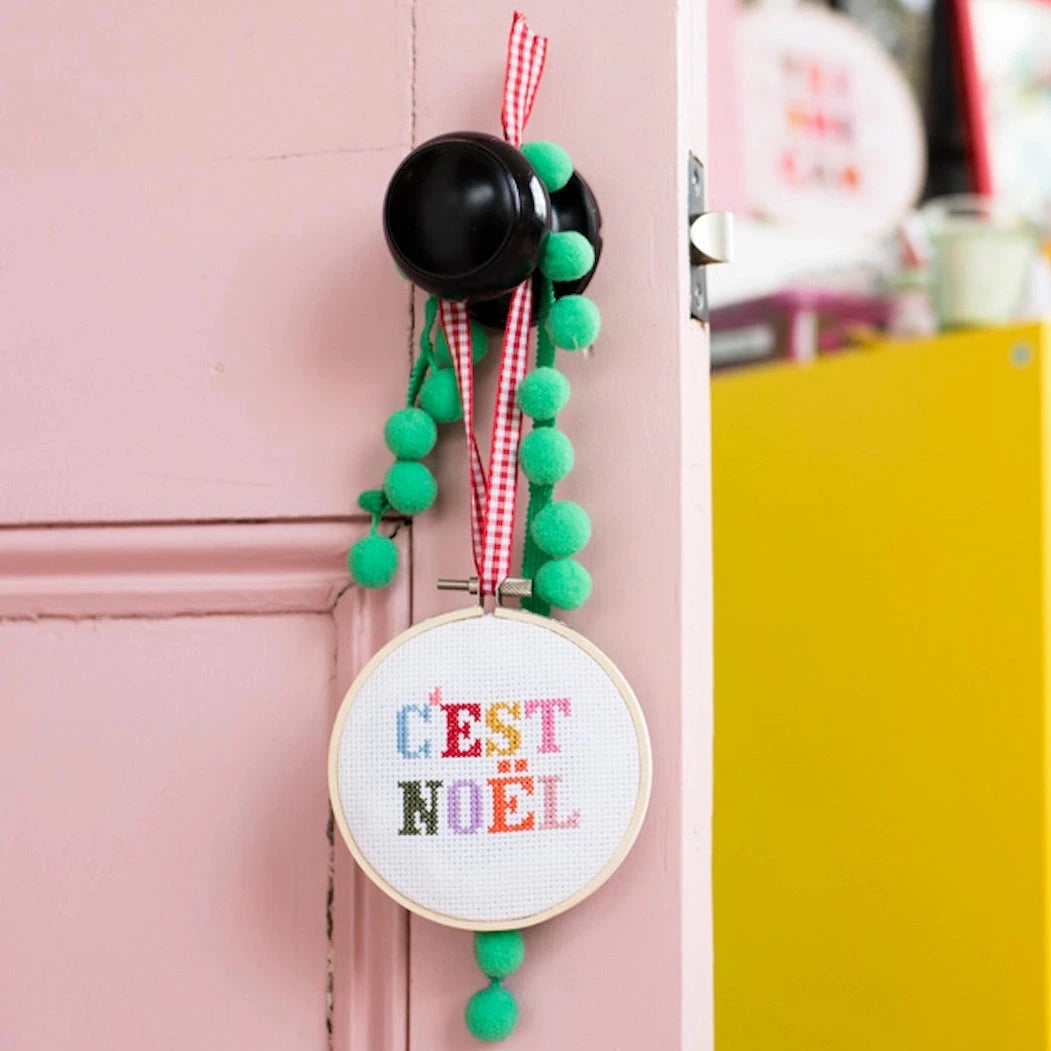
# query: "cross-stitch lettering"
x,y
458,731
515,800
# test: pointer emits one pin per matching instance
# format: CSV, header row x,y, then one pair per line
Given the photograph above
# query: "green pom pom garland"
x,y
552,163
563,582
410,434
440,396
499,953
546,456
562,528
410,487
491,1014
543,394
574,322
554,530
567,256
373,561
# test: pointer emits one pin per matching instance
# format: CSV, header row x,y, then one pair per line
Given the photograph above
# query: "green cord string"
x,y
545,348
425,360
539,495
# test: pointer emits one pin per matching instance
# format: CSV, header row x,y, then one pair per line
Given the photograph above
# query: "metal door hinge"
x,y
711,239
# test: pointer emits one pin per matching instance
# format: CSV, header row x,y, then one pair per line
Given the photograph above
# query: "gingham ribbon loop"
x,y
493,498
525,63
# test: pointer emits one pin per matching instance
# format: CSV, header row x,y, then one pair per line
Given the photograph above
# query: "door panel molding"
x,y
172,569
168,570
369,943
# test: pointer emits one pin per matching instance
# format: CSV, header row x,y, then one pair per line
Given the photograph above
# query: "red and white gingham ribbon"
x,y
493,501
525,63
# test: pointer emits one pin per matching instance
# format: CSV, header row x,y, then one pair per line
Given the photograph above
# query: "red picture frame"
x,y
971,98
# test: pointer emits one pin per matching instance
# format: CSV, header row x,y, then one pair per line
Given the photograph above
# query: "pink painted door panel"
x,y
164,832
200,319
167,868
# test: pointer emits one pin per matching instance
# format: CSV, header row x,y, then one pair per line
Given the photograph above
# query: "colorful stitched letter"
x,y
498,726
547,709
455,797
457,731
414,806
422,750
550,783
503,804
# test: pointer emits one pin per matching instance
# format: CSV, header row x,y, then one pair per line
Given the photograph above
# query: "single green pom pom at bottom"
x,y
373,561
574,322
567,256
499,953
564,583
410,487
491,1014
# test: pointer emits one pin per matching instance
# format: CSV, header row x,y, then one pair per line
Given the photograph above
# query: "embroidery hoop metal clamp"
x,y
510,587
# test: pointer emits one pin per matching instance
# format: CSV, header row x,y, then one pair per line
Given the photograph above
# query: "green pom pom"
x,y
546,455
373,561
543,393
499,953
567,256
491,1014
552,163
440,396
564,583
562,528
479,346
410,487
373,501
574,322
410,434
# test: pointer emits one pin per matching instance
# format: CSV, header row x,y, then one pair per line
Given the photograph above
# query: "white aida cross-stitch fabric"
x,y
489,769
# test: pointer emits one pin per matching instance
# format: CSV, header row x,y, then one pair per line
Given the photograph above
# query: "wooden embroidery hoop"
x,y
641,737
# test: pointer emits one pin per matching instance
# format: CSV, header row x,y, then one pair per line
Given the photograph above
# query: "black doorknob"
x,y
465,216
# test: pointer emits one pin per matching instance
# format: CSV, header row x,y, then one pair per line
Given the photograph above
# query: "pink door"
x,y
201,337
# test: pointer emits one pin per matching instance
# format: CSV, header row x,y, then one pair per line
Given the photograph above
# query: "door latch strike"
x,y
711,239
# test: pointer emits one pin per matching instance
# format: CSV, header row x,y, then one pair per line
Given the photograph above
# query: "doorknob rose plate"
x,y
573,208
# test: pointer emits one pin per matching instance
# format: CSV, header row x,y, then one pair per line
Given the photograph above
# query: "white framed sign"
x,y
489,770
833,137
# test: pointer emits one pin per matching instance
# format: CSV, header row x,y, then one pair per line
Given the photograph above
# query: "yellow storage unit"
x,y
881,738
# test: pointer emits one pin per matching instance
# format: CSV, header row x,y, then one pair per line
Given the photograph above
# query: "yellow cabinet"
x,y
881,733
